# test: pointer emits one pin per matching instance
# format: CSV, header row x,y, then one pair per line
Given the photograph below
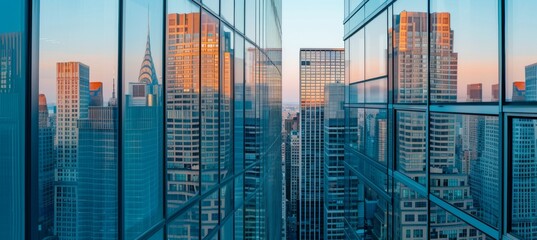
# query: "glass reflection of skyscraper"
x,y
182,113
142,136
524,164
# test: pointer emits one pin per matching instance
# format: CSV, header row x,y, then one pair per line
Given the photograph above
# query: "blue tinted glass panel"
x,y
143,117
186,226
226,102
13,39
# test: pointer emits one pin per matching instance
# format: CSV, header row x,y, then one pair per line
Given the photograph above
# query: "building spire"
x,y
147,70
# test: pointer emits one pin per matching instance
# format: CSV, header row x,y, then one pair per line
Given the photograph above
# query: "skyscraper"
x,y
318,67
531,82
474,92
183,119
47,156
334,156
292,158
72,102
97,182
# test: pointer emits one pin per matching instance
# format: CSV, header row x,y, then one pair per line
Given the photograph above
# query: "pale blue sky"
x,y
307,24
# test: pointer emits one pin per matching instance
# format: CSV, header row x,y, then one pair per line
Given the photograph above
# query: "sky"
x,y
307,24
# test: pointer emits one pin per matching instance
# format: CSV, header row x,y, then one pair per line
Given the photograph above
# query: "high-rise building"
x,y
73,100
182,87
97,167
474,92
292,165
334,156
531,82
47,156
318,67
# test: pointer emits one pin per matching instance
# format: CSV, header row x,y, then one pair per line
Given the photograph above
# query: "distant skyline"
x,y
307,24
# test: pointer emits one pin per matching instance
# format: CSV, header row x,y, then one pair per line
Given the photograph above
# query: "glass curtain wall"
x,y
440,119
155,120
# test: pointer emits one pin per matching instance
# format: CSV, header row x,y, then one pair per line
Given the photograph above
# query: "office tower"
x,y
318,67
519,91
524,162
531,82
96,94
334,156
474,92
97,167
182,87
47,157
72,103
142,136
292,158
410,34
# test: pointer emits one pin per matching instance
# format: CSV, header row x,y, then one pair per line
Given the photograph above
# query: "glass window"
x,y
226,200
375,215
239,103
239,224
464,165
524,178
183,101
354,203
357,93
214,5
411,145
210,96
410,51
226,232
186,226
376,40
404,195
143,116
376,91
250,19
445,225
209,213
357,56
239,15
376,134
464,57
226,103
78,119
521,52
158,236
227,10
13,68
